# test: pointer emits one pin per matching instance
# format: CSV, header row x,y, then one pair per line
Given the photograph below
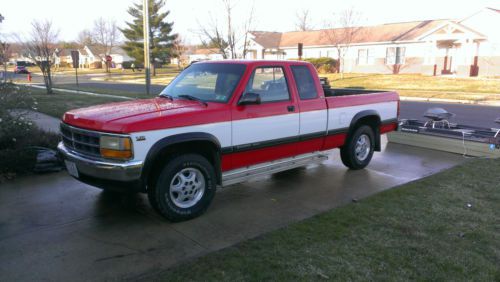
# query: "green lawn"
x,y
58,103
130,94
442,228
419,85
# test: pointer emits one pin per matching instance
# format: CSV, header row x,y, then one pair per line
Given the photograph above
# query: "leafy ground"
x,y
442,228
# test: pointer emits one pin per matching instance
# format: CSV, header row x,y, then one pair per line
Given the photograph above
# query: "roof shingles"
x,y
405,31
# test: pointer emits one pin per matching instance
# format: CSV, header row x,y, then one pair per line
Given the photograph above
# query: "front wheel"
x,y
358,150
184,189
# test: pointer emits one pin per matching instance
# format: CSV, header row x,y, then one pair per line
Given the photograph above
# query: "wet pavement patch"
x,y
53,227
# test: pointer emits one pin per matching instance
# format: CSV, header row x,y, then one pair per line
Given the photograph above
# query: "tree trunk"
x,y
153,69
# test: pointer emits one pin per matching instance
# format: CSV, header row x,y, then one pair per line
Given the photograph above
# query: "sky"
x,y
187,15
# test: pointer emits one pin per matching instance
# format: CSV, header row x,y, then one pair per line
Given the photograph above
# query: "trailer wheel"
x,y
358,150
184,189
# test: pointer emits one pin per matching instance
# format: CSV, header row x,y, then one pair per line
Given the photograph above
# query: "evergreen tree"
x,y
160,33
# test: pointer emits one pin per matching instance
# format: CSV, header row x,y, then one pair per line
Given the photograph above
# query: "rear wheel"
x,y
358,150
184,189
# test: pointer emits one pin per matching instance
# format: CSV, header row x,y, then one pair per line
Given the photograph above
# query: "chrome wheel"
x,y
187,187
363,147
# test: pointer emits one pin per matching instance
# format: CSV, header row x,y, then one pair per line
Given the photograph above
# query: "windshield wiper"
x,y
192,98
167,96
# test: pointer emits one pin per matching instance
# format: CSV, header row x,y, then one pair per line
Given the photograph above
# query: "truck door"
x,y
313,109
269,130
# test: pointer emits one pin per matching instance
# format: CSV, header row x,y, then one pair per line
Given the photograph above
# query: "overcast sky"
x,y
70,17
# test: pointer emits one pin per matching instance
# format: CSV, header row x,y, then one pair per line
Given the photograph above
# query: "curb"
x,y
82,92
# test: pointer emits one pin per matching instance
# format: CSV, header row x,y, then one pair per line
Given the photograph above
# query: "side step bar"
x,y
243,174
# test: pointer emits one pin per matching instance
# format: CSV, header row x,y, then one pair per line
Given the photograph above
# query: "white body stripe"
x,y
313,121
339,118
247,131
267,128
221,130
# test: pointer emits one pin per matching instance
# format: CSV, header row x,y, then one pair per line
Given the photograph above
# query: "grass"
x,y
108,91
58,103
415,82
423,231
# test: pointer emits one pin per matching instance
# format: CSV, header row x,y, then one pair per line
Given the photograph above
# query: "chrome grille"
x,y
82,141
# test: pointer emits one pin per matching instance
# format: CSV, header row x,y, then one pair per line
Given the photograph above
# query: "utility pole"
x,y
145,27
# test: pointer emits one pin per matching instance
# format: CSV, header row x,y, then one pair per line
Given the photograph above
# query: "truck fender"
x,y
177,139
375,117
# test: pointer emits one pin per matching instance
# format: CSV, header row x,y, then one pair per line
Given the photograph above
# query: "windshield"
x,y
212,82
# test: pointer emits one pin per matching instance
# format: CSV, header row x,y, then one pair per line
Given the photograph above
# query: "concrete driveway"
x,y
55,228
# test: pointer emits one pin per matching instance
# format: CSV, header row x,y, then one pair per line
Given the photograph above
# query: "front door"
x,y
270,130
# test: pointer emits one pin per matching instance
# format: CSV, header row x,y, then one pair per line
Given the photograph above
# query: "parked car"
x,y
219,123
20,67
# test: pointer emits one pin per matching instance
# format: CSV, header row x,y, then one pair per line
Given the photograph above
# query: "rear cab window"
x,y
270,83
305,82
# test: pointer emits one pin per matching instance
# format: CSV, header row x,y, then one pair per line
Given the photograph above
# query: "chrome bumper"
x,y
124,172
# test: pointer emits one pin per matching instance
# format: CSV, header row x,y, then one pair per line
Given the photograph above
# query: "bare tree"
x,y
105,35
227,36
179,49
4,56
341,33
85,37
212,37
303,20
246,29
41,47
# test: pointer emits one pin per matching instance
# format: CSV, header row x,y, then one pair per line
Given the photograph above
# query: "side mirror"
x,y
249,99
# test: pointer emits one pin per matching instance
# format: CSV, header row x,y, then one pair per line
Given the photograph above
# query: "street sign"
x,y
75,56
109,58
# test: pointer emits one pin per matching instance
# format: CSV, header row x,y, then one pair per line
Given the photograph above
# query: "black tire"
x,y
348,153
168,204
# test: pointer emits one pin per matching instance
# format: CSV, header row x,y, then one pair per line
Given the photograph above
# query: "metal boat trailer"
x,y
439,134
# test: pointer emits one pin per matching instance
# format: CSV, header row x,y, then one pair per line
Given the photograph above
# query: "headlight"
x,y
115,147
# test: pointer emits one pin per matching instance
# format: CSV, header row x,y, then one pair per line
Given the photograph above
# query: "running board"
x,y
244,174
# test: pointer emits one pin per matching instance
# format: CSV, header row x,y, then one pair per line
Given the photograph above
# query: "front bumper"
x,y
122,176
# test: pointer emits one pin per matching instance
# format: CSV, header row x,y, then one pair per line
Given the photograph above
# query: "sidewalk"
x,y
45,122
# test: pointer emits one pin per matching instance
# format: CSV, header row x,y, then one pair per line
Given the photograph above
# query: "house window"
x,y
395,56
365,57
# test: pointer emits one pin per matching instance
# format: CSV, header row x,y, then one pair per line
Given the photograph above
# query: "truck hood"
x,y
139,115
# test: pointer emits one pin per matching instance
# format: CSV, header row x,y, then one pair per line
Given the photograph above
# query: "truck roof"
x,y
252,62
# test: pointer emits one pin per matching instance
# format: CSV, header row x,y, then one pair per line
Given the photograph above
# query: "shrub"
x,y
18,134
323,64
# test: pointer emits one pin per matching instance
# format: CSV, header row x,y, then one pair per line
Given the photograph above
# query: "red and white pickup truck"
x,y
219,123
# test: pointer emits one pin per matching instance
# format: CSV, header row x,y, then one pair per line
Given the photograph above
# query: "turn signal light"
x,y
115,154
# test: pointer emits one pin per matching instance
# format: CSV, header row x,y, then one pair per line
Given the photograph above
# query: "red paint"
x,y
146,115
388,127
357,100
334,141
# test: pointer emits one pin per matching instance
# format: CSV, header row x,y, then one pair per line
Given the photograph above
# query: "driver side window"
x,y
270,83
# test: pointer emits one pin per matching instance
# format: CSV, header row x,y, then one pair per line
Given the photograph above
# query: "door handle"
x,y
291,108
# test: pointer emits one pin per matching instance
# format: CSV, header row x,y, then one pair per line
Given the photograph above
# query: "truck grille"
x,y
82,141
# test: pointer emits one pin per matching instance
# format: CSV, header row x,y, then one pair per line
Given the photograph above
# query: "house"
x,y
202,54
467,47
95,56
91,57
